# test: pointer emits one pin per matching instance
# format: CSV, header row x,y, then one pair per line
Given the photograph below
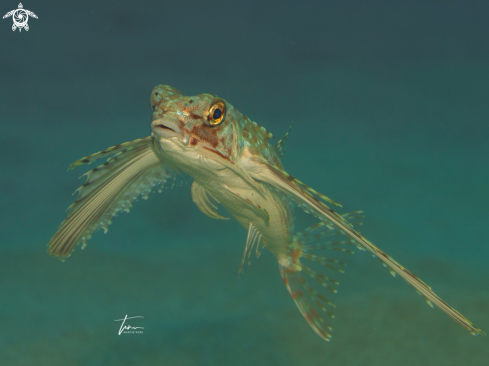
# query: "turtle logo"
x,y
20,17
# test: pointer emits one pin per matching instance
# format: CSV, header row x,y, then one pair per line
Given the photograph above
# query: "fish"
x,y
233,164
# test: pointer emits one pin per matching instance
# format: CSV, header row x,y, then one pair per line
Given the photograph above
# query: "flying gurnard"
x,y
232,163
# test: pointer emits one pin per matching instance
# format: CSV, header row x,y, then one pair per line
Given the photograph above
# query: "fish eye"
x,y
216,114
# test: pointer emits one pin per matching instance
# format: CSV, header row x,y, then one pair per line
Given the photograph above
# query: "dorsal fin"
x,y
280,143
253,127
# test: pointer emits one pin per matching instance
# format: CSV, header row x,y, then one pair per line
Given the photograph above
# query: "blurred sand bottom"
x,y
196,313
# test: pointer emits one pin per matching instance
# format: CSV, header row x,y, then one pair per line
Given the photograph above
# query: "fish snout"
x,y
166,127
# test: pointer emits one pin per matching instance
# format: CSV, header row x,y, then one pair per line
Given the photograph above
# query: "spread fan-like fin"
x,y
109,189
312,304
263,171
200,196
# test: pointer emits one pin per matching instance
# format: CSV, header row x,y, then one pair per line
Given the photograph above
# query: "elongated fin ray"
x,y
117,149
101,173
200,196
254,237
263,171
110,188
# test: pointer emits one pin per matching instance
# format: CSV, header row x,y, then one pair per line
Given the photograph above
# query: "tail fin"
x,y
109,189
305,296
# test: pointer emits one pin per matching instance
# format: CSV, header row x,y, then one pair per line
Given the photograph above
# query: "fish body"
x,y
233,163
216,158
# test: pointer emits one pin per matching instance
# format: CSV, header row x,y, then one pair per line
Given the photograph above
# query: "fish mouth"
x,y
166,128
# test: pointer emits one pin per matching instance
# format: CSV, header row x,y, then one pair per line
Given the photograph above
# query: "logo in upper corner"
x,y
126,328
20,17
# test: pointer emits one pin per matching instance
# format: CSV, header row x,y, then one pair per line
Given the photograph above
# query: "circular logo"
x,y
20,18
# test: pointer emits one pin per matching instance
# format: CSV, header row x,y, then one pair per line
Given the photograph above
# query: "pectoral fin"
x,y
261,170
113,150
240,200
200,196
109,189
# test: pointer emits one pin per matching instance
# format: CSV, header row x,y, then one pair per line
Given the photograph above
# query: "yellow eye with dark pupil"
x,y
216,114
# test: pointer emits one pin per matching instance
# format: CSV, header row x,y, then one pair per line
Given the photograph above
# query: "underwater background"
x,y
391,113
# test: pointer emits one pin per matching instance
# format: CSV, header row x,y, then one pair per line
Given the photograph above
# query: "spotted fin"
x,y
254,237
308,295
109,189
200,196
279,146
263,171
117,149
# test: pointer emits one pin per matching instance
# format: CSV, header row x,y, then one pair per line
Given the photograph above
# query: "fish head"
x,y
203,125
191,123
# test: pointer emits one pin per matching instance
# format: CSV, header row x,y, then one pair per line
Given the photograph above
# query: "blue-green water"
x,y
391,116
